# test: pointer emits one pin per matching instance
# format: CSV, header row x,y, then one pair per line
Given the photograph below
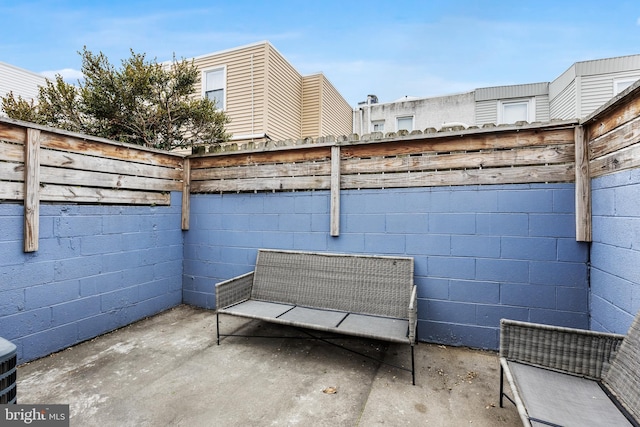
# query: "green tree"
x,y
143,103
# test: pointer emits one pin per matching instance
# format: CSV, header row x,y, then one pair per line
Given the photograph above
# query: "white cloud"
x,y
68,74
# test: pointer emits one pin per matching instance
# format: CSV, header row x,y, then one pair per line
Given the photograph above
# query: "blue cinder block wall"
x,y
481,252
97,268
615,252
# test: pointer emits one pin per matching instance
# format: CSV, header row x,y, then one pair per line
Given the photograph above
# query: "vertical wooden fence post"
x,y
335,190
186,193
583,187
31,190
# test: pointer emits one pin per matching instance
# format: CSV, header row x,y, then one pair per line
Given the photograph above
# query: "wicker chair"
x,y
571,377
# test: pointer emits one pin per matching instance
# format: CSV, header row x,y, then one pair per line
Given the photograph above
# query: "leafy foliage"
x,y
143,103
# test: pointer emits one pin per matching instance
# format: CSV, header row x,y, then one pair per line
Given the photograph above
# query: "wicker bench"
x,y
359,295
571,377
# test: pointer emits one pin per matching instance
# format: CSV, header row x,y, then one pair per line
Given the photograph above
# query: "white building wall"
x,y
21,82
427,113
576,93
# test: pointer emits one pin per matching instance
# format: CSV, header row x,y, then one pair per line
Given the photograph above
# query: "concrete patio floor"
x,y
168,371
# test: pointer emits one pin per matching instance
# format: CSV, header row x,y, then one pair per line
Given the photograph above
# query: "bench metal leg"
x,y
217,328
413,367
502,393
501,385
326,340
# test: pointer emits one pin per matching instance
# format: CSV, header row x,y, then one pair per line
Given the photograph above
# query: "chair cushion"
x,y
564,400
623,376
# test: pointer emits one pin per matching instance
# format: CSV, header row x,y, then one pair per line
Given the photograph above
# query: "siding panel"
x,y
337,118
542,108
514,91
598,89
564,105
21,82
486,112
245,69
311,99
284,98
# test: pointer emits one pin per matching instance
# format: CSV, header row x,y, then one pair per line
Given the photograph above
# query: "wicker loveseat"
x,y
571,377
360,295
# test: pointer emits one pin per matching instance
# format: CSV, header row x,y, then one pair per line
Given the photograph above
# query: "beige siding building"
x,y
267,98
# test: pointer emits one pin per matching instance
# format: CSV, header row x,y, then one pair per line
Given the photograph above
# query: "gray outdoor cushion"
x,y
258,309
623,376
394,330
564,400
314,316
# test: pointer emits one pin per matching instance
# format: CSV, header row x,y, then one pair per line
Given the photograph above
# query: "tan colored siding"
x,y
266,95
337,114
311,103
284,97
245,85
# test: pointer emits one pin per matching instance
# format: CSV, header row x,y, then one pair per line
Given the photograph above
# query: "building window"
x,y
517,110
405,123
214,86
377,126
621,84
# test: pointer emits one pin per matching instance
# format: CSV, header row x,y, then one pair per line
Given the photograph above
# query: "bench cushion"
x,y
387,329
374,285
562,399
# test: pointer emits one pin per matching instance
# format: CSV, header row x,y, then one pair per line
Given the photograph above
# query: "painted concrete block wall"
x,y
97,268
481,252
615,252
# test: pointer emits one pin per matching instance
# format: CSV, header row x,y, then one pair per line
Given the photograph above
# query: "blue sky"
x,y
388,48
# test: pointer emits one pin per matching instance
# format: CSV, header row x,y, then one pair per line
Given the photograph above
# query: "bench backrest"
x,y
623,376
354,283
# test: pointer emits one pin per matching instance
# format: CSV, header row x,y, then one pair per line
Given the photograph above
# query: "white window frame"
x,y
625,83
405,117
375,123
224,84
529,102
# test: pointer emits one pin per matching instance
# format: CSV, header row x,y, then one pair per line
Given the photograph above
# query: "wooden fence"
x,y
41,164
503,155
609,142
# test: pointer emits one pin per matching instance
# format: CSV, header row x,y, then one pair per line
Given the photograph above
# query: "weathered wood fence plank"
x,y
335,192
31,190
65,193
583,187
186,192
526,174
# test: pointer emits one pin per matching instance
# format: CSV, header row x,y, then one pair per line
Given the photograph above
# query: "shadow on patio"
x,y
168,370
